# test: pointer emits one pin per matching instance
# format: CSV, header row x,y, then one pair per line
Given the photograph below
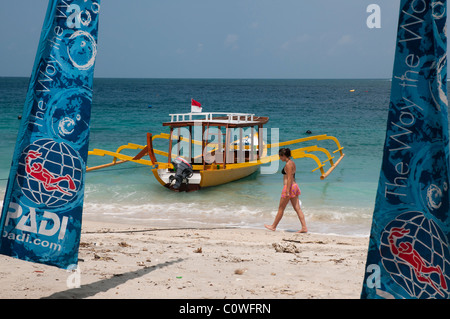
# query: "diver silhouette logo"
x,y
50,173
406,252
48,180
416,254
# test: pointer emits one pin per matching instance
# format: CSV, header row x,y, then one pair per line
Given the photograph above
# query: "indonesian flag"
x,y
195,106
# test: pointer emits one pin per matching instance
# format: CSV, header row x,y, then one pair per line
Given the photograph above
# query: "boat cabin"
x,y
225,138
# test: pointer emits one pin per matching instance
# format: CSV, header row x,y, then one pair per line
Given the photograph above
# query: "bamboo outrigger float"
x,y
223,160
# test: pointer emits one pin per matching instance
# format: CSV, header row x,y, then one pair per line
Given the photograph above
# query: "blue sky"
x,y
219,38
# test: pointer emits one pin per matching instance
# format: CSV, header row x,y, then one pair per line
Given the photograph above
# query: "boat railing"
x,y
209,117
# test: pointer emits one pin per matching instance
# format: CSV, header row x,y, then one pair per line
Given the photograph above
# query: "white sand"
x,y
123,261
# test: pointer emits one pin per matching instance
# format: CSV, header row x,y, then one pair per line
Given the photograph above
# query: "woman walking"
x,y
290,192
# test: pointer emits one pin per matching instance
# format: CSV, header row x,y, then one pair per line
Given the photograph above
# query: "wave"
x,y
349,221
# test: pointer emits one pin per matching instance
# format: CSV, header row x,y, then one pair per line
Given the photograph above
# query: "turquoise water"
x,y
341,204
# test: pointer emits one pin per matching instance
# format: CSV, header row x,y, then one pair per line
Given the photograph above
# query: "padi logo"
x,y
50,173
26,223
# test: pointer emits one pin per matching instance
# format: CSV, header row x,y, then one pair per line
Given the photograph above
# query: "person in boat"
x,y
290,192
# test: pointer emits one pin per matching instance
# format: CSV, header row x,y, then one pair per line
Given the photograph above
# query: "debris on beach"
x,y
286,248
124,244
106,258
240,271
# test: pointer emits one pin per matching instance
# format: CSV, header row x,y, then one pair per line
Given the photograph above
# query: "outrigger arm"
x,y
305,152
119,158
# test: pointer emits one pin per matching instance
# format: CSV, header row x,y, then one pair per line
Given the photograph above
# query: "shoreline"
x,y
130,261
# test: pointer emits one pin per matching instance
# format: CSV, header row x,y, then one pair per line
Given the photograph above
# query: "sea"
x,y
124,110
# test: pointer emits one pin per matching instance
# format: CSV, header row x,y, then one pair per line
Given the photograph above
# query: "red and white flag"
x,y
195,106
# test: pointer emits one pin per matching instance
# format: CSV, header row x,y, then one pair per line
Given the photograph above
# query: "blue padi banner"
x,y
408,254
41,215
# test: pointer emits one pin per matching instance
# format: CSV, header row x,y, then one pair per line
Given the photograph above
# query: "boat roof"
x,y
216,119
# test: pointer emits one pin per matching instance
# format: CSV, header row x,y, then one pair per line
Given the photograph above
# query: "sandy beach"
x,y
128,261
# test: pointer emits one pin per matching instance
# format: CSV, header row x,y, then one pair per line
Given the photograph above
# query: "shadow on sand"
x,y
103,285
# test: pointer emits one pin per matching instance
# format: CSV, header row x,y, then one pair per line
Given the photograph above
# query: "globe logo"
x,y
415,253
50,173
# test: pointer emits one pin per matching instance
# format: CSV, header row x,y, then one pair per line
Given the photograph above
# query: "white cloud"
x,y
345,39
231,41
297,40
180,51
254,25
343,44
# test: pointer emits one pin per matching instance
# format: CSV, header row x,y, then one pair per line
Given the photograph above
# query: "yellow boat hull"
x,y
216,177
210,177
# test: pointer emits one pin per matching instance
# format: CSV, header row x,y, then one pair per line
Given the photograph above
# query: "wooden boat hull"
x,y
208,177
216,177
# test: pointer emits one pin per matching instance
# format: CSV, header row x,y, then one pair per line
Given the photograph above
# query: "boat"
x,y
230,146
